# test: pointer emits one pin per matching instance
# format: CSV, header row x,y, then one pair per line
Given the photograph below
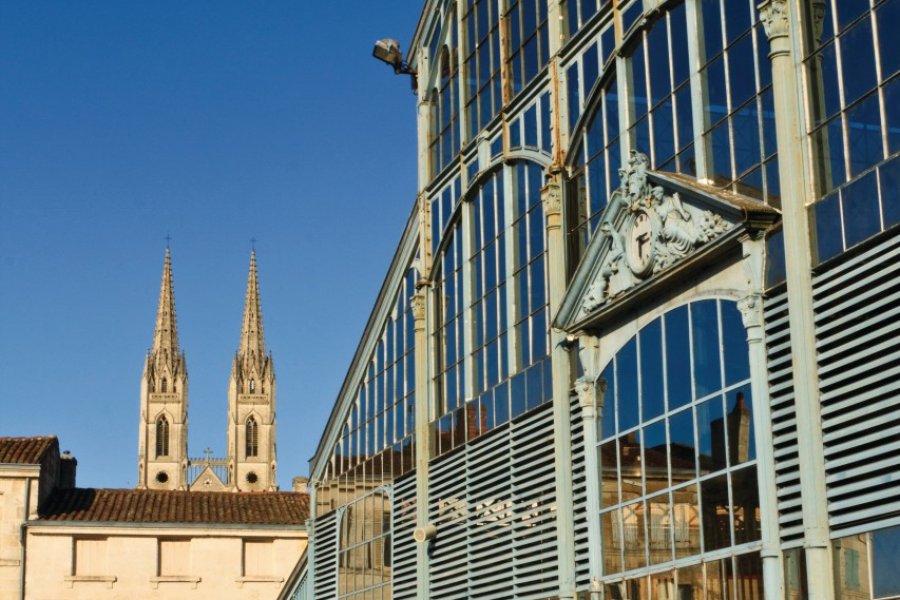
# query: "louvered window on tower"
x,y
163,386
162,436
252,438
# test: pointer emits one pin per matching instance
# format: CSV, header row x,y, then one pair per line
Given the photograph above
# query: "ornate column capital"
x,y
751,307
551,193
418,306
775,18
590,394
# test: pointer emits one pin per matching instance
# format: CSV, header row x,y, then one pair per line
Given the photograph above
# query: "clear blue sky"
x,y
215,122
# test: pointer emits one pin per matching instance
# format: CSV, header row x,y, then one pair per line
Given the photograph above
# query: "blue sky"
x,y
214,122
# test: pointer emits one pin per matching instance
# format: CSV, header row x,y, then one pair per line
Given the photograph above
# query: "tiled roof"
x,y
25,450
160,506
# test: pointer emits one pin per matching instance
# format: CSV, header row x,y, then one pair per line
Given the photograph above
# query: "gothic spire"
x,y
165,337
252,342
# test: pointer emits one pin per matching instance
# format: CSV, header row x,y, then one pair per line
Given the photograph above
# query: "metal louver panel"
x,y
403,545
857,305
325,533
493,502
579,500
784,419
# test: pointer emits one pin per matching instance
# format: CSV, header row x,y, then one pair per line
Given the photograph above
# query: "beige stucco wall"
x,y
18,499
214,568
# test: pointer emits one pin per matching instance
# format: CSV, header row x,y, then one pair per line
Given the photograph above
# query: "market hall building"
x,y
639,338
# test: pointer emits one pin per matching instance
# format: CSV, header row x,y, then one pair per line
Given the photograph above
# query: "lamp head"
x,y
388,50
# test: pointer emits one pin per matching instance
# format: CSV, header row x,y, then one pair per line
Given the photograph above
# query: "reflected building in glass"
x,y
639,339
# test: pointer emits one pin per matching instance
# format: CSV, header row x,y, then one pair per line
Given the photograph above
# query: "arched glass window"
x,y
445,135
677,453
252,386
252,438
162,436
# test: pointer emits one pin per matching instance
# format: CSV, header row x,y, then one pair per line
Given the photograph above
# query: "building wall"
x,y
131,562
18,502
516,98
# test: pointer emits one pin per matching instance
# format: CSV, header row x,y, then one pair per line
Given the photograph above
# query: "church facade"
x,y
638,339
163,462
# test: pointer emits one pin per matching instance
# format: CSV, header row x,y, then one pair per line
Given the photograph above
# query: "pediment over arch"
x,y
657,229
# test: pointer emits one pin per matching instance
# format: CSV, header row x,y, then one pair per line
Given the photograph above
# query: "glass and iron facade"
x,y
639,339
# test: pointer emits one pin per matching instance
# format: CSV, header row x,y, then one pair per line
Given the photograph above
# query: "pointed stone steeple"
x,y
251,401
165,336
162,457
252,346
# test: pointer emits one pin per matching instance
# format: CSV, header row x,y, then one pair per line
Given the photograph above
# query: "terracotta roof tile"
x,y
158,506
25,450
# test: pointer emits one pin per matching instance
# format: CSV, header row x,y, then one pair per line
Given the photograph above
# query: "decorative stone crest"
x,y
417,302
656,231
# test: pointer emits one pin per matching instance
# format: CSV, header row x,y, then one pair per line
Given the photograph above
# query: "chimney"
x,y
67,467
299,484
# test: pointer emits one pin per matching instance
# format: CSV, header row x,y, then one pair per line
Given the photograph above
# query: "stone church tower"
x,y
162,460
251,401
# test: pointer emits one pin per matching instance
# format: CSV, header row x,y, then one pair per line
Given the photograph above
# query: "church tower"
x,y
162,460
251,401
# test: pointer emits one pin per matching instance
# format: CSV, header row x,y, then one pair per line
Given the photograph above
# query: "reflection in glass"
x,y
711,435
678,357
655,459
633,536
627,385
683,459
659,528
610,524
705,335
745,492
716,517
651,371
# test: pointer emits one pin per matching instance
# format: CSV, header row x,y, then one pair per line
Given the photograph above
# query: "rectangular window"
x,y
258,557
90,556
174,557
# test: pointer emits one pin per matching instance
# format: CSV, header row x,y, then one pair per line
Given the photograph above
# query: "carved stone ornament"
x,y
657,231
774,15
418,306
551,194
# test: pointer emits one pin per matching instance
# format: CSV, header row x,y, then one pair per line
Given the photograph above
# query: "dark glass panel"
x,y
720,146
658,54
685,116
734,344
738,17
885,550
533,384
678,357
892,112
531,127
889,182
501,404
626,367
712,27
858,61
663,133
741,59
652,393
639,82
517,395
850,10
683,456
705,335
747,153
888,15
539,335
711,435
742,442
860,208
716,516
864,127
717,106
681,64
745,492
546,117
573,93
590,68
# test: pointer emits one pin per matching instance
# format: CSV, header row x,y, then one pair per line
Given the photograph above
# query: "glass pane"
x,y
705,335
745,493
741,442
678,357
716,517
681,431
652,370
686,521
734,343
711,435
659,529
655,461
626,370
633,535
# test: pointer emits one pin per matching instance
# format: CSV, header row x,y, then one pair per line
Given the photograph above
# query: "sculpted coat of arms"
x,y
657,230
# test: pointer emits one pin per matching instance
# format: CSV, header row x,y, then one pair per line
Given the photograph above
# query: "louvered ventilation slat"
x,y
403,545
493,502
857,305
326,556
579,497
784,421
